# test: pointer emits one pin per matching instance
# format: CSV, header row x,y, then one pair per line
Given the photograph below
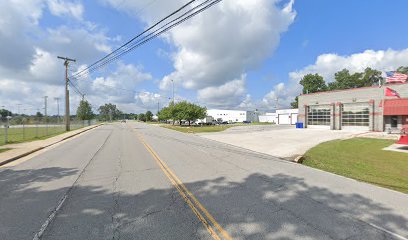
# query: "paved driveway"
x,y
281,141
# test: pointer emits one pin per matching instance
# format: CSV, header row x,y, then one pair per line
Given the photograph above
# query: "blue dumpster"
x,y
299,125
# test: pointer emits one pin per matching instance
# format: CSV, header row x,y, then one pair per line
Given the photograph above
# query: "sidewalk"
x,y
19,150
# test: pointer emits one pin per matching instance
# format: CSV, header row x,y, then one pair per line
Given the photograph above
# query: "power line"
x,y
132,45
155,34
134,38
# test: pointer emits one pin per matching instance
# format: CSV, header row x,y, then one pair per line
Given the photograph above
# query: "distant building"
x,y
268,118
233,116
281,116
365,108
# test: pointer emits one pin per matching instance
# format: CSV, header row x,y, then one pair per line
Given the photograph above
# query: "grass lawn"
x,y
362,159
198,129
18,135
4,149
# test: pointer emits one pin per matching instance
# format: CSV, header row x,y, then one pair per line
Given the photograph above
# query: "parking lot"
x,y
283,141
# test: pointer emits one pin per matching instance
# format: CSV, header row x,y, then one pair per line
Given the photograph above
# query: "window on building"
x,y
394,121
355,114
318,115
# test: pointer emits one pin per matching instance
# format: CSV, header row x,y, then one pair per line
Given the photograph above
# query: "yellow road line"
x,y
188,196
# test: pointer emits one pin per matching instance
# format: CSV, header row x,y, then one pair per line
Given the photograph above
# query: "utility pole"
x,y
173,90
158,107
45,106
57,99
18,108
67,115
277,103
45,114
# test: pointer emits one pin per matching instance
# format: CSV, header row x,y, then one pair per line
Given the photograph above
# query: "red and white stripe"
x,y
397,77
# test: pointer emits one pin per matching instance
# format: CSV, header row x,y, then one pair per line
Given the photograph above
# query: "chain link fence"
x,y
16,130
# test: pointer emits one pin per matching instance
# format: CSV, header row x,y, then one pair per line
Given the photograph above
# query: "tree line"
x,y
342,80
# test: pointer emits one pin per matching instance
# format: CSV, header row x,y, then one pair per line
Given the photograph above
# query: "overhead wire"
x,y
137,36
121,51
140,40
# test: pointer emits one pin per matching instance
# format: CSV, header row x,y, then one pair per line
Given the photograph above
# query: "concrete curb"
x,y
49,145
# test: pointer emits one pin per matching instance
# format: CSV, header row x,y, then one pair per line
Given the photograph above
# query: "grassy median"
x,y
362,159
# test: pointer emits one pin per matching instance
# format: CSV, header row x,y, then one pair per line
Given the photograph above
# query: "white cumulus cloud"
x,y
219,45
328,64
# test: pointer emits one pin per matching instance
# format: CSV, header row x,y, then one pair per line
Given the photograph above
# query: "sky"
x,y
238,54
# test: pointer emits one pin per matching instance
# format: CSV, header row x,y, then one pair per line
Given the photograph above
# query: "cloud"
x,y
29,68
220,44
228,95
64,8
328,64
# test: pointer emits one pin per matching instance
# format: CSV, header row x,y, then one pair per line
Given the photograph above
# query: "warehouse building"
x,y
364,108
281,116
233,116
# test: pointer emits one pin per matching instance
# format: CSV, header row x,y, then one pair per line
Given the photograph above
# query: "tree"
x,y
345,80
109,111
149,116
313,83
402,69
370,77
84,111
188,111
164,114
182,111
38,116
4,113
194,112
141,117
295,104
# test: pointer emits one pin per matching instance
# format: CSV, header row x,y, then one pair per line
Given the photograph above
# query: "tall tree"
x,y
108,111
370,77
345,80
141,117
84,111
313,83
149,116
295,104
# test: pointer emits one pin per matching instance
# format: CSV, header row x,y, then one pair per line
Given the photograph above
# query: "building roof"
x,y
353,89
396,107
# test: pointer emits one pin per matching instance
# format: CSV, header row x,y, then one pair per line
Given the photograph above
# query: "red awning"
x,y
396,107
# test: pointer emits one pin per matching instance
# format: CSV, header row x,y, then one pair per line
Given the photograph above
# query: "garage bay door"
x,y
318,116
355,116
284,118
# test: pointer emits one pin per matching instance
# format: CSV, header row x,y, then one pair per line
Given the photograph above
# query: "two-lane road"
x,y
137,181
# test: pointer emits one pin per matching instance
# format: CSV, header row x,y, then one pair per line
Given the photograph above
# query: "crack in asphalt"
x,y
61,202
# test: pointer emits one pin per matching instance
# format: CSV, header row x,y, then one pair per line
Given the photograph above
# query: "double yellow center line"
x,y
215,230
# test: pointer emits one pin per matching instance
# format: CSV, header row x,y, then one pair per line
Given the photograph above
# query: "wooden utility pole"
x,y
67,115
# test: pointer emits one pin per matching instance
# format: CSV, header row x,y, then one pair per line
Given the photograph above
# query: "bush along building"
x,y
375,108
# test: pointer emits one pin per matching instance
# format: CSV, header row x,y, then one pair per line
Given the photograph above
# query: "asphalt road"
x,y
137,181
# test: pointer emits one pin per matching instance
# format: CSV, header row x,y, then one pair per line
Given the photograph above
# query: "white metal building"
x,y
269,118
233,115
287,116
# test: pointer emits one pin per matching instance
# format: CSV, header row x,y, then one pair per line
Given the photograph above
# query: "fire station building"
x,y
364,108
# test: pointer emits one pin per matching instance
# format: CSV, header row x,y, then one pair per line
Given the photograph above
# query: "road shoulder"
x,y
21,150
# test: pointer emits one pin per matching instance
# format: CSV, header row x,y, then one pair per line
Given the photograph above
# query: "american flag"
x,y
393,77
